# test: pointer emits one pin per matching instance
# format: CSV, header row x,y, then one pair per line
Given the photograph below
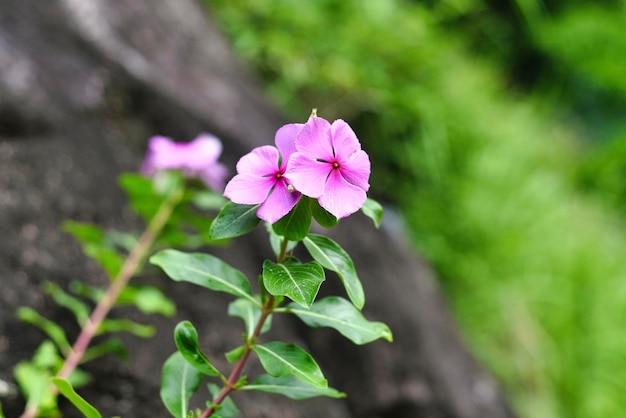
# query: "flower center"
x,y
279,175
335,165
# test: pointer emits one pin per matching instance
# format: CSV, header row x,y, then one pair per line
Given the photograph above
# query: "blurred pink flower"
x,y
195,159
329,165
261,177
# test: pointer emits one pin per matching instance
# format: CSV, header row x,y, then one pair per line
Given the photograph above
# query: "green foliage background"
x,y
499,130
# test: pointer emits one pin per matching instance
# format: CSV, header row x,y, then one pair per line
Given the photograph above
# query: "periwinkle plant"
x,y
317,171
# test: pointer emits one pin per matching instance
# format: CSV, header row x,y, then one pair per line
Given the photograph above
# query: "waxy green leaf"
x,y
97,245
296,224
299,282
250,313
373,210
54,331
65,387
179,380
186,338
322,216
330,255
75,305
148,299
338,313
204,270
126,325
234,220
280,359
290,386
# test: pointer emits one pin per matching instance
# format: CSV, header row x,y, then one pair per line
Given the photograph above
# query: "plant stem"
x,y
131,266
268,308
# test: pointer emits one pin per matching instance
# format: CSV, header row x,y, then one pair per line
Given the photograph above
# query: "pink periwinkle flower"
x,y
329,165
195,159
261,177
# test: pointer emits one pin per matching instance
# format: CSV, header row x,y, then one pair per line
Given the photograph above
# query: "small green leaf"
x,y
34,382
338,313
299,282
148,299
65,387
54,331
228,408
280,359
322,216
76,306
204,270
96,245
207,199
250,313
110,346
296,224
234,220
291,387
330,255
235,354
179,380
126,325
186,338
373,210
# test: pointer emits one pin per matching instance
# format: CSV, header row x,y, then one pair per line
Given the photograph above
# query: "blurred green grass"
x,y
499,130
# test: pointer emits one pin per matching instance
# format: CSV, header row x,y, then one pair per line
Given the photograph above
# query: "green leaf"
x,y
54,331
148,299
207,199
280,359
338,313
126,325
330,255
76,306
186,338
34,382
234,220
235,354
250,313
322,216
228,408
204,270
373,210
110,346
296,224
65,387
291,387
179,380
96,245
299,282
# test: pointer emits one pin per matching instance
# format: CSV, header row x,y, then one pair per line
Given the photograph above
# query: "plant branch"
x,y
131,266
230,385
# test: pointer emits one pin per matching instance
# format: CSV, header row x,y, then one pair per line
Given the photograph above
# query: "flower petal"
x,y
340,197
214,176
199,153
285,140
248,189
345,142
278,203
314,139
261,161
356,169
306,175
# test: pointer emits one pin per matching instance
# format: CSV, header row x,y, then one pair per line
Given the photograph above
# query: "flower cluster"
x,y
195,159
317,159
